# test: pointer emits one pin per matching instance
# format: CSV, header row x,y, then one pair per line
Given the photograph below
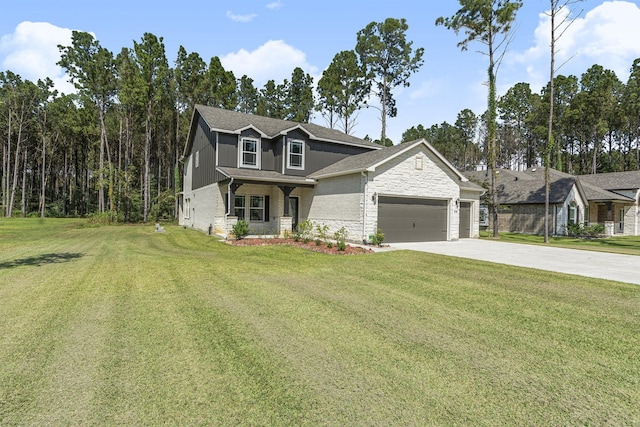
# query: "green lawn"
x,y
124,326
629,245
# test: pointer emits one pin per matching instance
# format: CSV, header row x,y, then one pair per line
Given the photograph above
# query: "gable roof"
x,y
614,180
528,187
227,121
369,161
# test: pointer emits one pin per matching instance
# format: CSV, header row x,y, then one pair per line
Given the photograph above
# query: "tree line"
x,y
113,148
596,126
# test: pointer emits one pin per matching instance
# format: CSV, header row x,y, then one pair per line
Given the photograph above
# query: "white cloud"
x,y
273,60
274,5
32,52
606,35
241,18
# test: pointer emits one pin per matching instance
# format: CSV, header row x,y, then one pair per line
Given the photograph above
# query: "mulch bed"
x,y
311,246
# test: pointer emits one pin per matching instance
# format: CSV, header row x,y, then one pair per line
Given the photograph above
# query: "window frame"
x,y
257,209
242,209
242,152
290,143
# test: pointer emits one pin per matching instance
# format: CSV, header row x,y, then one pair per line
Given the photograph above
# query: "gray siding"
x,y
203,144
320,154
227,150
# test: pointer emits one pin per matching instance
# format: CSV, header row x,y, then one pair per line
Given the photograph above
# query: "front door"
x,y
293,211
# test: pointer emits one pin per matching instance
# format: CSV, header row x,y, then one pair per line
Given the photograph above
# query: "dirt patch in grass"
x,y
311,245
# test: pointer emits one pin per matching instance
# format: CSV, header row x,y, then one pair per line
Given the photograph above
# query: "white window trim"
x,y
289,153
241,152
197,159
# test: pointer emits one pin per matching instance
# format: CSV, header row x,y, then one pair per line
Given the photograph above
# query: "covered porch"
x,y
269,201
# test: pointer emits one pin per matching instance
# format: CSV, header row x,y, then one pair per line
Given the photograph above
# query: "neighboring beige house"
x,y
622,213
275,173
609,199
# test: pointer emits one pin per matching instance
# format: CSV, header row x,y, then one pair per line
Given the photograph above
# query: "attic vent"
x,y
419,161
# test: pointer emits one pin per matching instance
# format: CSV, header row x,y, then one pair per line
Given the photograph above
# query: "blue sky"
x,y
268,39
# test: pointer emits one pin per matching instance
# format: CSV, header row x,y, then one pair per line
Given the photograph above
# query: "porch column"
x,y
287,192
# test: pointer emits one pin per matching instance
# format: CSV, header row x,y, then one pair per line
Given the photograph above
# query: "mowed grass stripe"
x,y
176,328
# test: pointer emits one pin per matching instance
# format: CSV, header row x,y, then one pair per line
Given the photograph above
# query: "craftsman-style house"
x,y
275,173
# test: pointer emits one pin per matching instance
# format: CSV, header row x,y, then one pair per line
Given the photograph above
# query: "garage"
x,y
404,219
465,220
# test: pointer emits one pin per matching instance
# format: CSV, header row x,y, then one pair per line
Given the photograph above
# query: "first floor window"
x,y
573,213
239,207
256,208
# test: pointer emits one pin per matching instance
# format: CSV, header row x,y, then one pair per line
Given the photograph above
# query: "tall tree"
x,y
342,90
154,69
271,102
389,60
631,102
220,84
92,70
299,96
557,7
467,124
489,23
515,108
247,95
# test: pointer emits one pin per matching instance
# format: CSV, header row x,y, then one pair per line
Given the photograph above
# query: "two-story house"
x,y
275,173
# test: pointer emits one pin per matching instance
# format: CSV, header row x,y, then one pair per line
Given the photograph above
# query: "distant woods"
x,y
113,149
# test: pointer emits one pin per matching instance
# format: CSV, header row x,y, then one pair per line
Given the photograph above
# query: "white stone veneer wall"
x,y
401,177
336,202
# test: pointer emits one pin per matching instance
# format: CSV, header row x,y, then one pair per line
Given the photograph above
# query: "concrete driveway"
x,y
623,268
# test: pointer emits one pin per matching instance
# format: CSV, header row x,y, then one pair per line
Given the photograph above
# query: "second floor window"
x,y
295,157
249,152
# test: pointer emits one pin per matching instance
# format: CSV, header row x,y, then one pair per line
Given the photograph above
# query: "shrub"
x,y
323,232
329,245
594,230
341,238
574,230
378,238
304,231
240,229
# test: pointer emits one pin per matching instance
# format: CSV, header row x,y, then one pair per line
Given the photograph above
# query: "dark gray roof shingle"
x,y
234,121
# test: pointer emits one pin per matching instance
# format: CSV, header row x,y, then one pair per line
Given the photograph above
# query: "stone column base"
x,y
231,221
609,228
285,225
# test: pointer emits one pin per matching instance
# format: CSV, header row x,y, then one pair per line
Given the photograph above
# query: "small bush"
x,y
240,229
592,230
304,231
378,238
329,245
341,238
318,242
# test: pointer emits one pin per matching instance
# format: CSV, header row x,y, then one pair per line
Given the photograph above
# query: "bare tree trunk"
x,y
44,165
23,207
147,154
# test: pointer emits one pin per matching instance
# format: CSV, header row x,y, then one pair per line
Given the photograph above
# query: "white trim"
x,y
241,152
302,155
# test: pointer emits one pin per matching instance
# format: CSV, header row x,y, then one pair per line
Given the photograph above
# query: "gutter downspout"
x,y
364,207
226,215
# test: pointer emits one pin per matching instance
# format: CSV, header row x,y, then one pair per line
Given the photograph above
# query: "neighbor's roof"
x,y
528,187
229,121
615,180
370,160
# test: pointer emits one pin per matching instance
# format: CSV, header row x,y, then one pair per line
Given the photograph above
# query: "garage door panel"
x,y
465,220
412,220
